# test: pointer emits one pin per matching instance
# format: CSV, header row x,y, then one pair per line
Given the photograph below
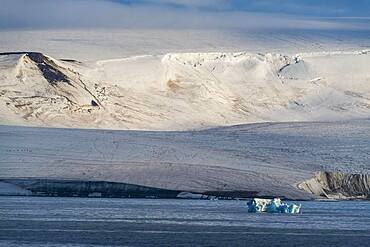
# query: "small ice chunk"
x,y
272,206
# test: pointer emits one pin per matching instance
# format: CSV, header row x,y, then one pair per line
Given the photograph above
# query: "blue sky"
x,y
189,14
322,8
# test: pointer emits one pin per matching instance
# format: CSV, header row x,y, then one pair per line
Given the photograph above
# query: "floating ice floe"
x,y
272,206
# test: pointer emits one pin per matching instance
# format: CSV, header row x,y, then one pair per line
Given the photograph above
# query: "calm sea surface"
x,y
41,221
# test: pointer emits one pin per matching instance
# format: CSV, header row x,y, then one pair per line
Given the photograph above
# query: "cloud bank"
x,y
176,14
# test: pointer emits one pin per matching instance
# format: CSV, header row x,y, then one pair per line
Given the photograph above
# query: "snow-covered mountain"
x,y
179,91
161,80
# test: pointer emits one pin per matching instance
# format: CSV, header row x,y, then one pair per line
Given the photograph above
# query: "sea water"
x,y
47,221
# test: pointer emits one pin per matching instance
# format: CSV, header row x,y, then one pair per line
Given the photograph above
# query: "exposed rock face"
x,y
338,185
48,68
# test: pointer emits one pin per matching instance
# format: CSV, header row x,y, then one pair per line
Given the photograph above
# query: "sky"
x,y
324,8
197,14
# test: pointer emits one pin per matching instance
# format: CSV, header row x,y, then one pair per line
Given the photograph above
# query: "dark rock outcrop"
x,y
338,185
48,68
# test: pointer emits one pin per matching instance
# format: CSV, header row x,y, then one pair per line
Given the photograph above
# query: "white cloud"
x,y
98,13
193,3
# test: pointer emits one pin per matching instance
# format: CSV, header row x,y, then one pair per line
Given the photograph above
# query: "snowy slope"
x,y
90,45
180,91
266,158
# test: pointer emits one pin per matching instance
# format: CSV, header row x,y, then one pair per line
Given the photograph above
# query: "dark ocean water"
x,y
40,221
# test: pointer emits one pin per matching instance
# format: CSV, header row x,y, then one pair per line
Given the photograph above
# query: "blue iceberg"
x,y
272,206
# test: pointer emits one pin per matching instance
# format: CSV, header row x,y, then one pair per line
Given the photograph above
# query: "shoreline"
x,y
103,189
36,187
